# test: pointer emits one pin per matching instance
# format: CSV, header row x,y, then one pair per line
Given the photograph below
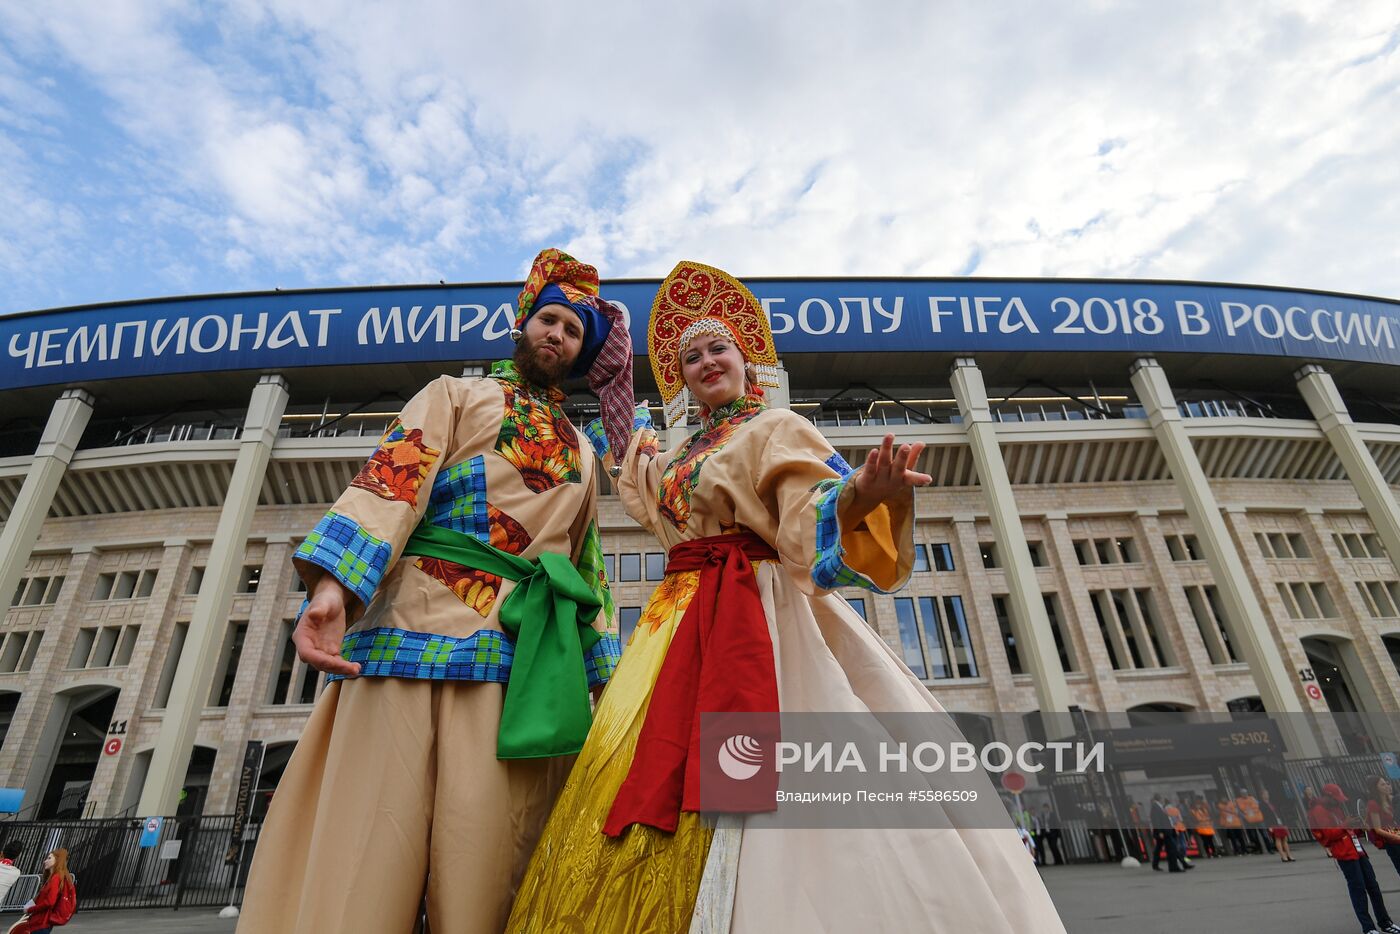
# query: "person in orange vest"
x,y
1205,829
1340,835
1228,820
1253,817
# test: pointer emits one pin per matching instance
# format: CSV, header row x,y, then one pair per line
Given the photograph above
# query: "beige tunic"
x,y
394,790
773,473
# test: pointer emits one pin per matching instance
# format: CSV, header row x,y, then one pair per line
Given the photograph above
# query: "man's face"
x,y
552,339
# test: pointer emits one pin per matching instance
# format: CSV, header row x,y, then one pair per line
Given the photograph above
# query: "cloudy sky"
x,y
157,147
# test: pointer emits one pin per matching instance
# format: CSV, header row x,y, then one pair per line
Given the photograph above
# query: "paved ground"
x,y
1243,894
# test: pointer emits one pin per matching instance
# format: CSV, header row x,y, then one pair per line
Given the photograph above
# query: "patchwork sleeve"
x,y
806,487
601,659
366,529
642,465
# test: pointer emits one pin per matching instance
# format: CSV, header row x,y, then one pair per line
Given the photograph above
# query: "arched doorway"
x,y
1327,659
79,751
197,776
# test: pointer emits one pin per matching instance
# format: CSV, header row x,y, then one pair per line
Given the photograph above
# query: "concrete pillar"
x,y
67,421
1242,610
203,642
1038,656
1319,391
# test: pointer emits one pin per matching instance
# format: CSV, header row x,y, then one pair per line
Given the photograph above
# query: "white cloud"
x,y
346,141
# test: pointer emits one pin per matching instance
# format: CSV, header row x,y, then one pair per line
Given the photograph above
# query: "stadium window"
x,y
858,604
989,554
921,558
1037,550
1008,635
610,566
31,649
1112,634
125,586
251,577
1062,646
1211,625
942,557
1371,541
127,646
910,644
656,566
629,566
282,679
147,584
32,594
103,590
1083,551
627,618
82,647
222,687
196,580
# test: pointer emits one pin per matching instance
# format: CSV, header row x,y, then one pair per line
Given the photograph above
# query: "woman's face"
x,y
713,370
1383,787
48,861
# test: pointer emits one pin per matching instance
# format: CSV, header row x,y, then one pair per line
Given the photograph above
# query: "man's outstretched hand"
x,y
321,629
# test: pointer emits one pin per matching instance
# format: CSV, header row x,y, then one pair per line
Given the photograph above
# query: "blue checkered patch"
x,y
356,558
838,463
601,661
458,500
829,568
485,655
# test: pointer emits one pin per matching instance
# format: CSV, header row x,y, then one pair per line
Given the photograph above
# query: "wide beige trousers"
x,y
394,792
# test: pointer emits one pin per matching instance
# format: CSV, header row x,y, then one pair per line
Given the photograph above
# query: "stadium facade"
x,y
1148,495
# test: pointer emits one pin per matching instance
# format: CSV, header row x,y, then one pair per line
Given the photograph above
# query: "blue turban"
x,y
596,325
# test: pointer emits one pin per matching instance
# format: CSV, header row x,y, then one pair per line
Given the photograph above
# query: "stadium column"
x,y
1039,657
1320,392
67,421
1243,613
1324,401
204,639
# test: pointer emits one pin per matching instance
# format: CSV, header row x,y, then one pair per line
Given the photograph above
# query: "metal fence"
x,y
185,867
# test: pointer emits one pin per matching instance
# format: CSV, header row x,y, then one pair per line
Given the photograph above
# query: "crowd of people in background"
x,y
1174,830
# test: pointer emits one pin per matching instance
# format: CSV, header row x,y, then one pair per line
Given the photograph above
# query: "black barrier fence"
x,y
185,863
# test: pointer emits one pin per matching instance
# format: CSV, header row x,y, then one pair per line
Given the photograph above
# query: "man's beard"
x,y
537,367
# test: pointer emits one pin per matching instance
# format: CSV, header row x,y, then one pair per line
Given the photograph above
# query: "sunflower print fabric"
x,y
537,439
398,467
476,588
682,474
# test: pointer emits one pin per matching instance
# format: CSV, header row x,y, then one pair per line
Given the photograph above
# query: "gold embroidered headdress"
x,y
697,299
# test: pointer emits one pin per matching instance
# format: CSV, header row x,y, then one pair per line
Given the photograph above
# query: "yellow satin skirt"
x,y
646,881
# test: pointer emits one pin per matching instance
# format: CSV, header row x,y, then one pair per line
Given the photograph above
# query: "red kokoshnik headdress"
x,y
697,299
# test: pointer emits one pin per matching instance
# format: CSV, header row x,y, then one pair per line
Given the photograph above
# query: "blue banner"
x,y
150,832
286,330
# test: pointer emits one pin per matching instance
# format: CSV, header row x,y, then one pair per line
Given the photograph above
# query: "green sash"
x,y
549,616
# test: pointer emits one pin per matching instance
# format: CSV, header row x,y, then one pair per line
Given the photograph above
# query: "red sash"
x,y
720,660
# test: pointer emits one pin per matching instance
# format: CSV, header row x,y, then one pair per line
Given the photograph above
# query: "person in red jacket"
x,y
1337,832
44,911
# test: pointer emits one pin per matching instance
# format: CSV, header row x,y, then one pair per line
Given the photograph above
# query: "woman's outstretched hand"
x,y
886,474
